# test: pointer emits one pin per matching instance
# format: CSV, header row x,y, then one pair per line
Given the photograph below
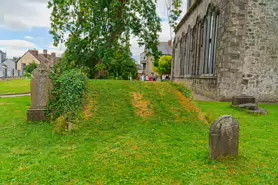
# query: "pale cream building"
x,y
148,60
33,56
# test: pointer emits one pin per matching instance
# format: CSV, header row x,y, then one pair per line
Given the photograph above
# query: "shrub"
x,y
67,96
28,75
31,67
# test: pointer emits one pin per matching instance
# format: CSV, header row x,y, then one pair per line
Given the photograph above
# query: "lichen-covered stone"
x,y
41,86
259,111
249,106
224,137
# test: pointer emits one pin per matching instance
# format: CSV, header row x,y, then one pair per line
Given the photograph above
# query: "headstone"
x,y
224,137
41,86
243,99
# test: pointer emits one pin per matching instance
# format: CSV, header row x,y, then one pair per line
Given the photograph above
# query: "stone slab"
x,y
36,115
243,99
259,111
249,106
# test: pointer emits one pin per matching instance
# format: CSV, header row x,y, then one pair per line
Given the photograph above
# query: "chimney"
x,y
35,52
170,42
53,58
45,53
53,55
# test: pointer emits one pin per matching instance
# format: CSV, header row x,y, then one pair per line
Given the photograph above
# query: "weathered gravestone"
x,y
41,86
243,99
247,103
224,137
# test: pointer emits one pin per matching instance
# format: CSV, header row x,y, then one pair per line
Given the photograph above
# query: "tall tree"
x,y
164,65
174,12
123,66
96,29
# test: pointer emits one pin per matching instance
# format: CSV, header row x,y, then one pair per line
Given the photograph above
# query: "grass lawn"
x,y
136,133
18,86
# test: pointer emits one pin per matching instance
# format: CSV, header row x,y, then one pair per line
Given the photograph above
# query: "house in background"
x,y
147,60
3,70
7,66
33,56
3,56
11,69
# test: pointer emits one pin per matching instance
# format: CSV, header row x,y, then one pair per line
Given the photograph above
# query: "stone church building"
x,y
225,48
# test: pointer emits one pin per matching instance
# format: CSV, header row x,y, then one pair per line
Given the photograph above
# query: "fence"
x,y
4,73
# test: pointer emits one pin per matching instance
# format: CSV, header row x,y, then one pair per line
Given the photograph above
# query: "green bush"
x,y
31,67
67,96
28,75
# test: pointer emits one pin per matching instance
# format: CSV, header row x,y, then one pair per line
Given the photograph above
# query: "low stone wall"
x,y
11,78
203,86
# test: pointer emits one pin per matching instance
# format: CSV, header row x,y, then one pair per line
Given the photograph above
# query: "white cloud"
x,y
135,49
16,44
59,50
24,14
167,32
29,38
161,8
16,47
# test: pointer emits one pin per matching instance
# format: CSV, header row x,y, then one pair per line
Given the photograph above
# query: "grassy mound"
x,y
134,133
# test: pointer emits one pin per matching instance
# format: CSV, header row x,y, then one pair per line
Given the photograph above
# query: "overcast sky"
x,y
24,24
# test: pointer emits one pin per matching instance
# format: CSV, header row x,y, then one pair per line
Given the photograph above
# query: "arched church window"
x,y
210,38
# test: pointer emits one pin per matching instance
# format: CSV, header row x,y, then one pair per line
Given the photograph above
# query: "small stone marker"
x,y
224,137
243,99
40,88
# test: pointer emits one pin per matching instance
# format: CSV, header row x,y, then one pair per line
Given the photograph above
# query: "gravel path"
x,y
14,95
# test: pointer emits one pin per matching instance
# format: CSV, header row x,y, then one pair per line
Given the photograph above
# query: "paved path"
x,y
202,98
14,95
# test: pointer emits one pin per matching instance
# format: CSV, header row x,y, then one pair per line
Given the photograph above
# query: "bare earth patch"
x,y
190,107
142,106
90,108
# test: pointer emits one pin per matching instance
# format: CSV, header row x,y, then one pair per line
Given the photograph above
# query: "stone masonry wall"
x,y
246,50
208,86
204,86
229,76
260,69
